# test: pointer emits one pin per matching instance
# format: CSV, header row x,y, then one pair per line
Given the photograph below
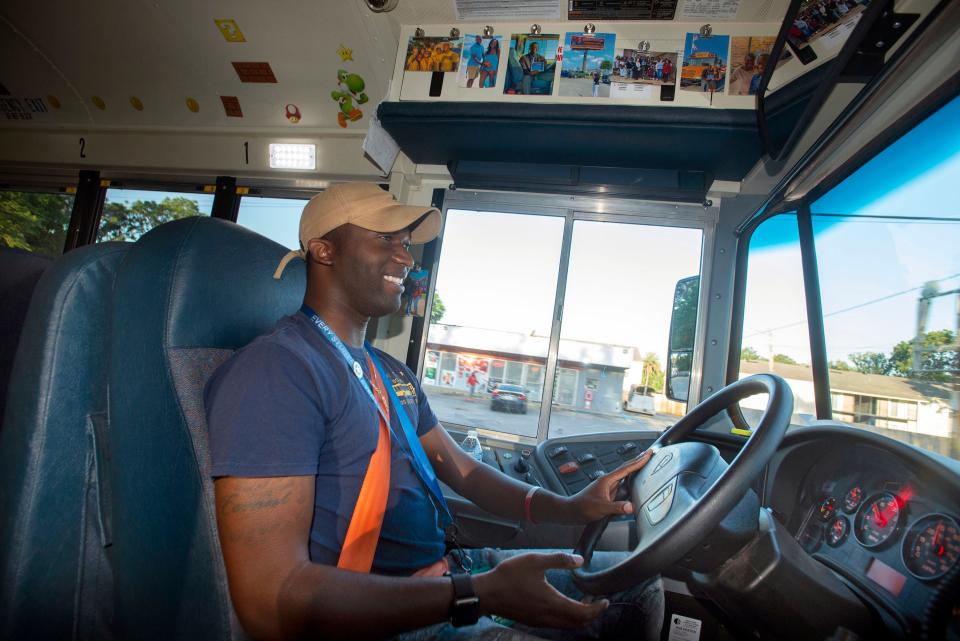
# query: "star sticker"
x,y
344,53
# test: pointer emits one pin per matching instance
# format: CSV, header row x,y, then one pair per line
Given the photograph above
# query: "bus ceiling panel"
x,y
119,63
181,151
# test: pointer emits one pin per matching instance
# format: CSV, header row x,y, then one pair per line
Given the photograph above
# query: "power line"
x,y
853,307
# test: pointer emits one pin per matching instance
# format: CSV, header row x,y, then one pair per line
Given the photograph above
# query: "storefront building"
x,y
589,375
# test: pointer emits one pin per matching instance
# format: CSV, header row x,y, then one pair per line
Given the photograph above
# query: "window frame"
x,y
572,209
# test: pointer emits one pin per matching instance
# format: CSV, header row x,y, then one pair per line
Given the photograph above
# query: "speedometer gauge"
x,y
877,520
931,547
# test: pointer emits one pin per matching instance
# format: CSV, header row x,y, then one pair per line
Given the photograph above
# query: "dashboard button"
x,y
557,451
586,458
595,474
568,468
626,448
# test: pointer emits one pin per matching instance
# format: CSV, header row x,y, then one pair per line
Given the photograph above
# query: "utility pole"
x,y
929,292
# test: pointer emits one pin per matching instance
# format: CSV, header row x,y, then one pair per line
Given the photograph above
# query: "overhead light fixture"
x,y
293,156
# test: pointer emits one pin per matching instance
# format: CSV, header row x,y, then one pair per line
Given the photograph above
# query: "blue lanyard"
x,y
419,458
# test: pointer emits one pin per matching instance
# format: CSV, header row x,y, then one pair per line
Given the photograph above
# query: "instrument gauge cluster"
x,y
879,516
882,523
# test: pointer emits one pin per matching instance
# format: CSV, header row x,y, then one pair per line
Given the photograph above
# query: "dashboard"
x,y
880,514
883,516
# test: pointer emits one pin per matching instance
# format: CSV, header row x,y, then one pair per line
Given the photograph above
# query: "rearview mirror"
x,y
683,329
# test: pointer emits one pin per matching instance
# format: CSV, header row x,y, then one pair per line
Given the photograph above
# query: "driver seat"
x,y
190,293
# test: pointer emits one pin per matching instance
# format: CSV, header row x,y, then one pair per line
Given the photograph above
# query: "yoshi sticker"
x,y
349,96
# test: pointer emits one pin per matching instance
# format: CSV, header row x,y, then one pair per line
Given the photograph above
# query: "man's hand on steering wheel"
x,y
598,499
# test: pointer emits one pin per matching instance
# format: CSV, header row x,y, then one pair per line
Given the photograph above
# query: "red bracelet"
x,y
527,501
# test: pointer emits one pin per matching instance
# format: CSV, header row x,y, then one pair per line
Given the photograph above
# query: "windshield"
x,y
887,242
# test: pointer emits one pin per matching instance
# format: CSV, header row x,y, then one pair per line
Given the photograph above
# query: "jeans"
x,y
635,613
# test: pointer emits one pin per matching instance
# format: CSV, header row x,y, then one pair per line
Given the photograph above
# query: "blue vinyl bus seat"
x,y
19,272
189,293
55,580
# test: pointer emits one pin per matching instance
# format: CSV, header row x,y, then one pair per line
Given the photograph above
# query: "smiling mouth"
x,y
395,280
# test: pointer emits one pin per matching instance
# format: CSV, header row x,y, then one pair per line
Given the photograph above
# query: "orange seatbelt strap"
x,y
363,533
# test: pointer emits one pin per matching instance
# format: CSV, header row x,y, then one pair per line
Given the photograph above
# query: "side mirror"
x,y
683,329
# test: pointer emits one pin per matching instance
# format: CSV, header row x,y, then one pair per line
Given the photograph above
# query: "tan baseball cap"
x,y
365,205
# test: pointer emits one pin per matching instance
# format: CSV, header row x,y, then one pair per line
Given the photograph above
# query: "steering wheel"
x,y
686,489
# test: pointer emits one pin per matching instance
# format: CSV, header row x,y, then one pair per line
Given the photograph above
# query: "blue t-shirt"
x,y
476,55
493,60
287,405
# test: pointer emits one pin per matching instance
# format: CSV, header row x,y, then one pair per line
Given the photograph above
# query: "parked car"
x,y
640,400
509,398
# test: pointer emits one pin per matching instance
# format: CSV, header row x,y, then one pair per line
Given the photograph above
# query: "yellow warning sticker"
x,y
231,32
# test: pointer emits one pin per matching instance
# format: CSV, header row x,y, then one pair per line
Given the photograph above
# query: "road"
x,y
582,87
456,408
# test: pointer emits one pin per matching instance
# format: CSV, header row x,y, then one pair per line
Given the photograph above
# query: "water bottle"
x,y
471,445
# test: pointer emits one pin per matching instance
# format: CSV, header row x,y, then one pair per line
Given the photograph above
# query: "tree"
x,y
606,65
870,363
749,354
653,375
38,222
783,358
438,309
35,222
931,363
120,222
842,366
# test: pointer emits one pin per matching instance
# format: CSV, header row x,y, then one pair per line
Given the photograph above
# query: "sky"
x,y
717,45
573,58
499,271
875,265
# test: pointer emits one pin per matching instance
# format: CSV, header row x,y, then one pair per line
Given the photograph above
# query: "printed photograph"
x,y
433,54
587,64
479,62
532,64
819,18
704,63
632,67
749,56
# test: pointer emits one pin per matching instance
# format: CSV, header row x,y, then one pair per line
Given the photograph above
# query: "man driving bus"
x,y
327,458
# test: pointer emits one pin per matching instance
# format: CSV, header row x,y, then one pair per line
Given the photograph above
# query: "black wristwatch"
x,y
465,609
